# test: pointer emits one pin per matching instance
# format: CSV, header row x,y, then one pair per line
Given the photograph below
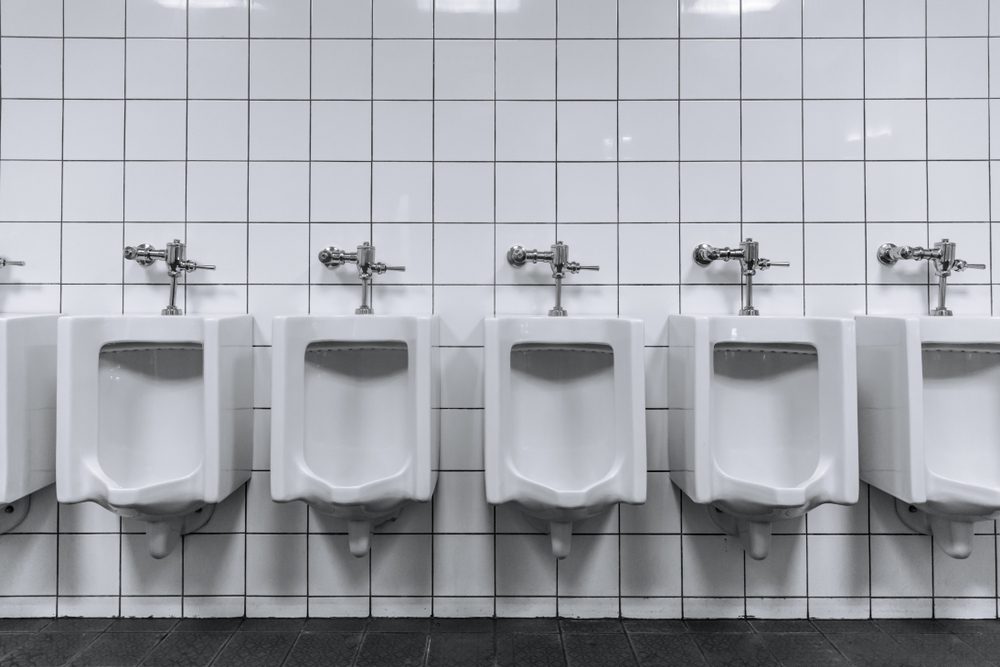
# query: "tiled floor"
x,y
504,642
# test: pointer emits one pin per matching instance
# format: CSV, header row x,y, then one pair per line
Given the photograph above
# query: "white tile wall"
x,y
444,131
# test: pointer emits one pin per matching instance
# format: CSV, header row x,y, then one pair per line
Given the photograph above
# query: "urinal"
x,y
155,417
355,410
27,412
763,411
565,427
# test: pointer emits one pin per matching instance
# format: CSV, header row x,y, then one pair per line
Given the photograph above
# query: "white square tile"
x,y
587,18
587,192
95,68
647,18
408,245
154,191
894,18
401,564
31,18
32,129
341,191
333,570
401,192
463,254
896,191
29,190
403,18
222,244
276,564
647,69
834,191
821,267
976,579
402,130
92,129
152,18
88,564
461,433
960,18
154,130
648,130
463,69
838,565
341,18
771,69
957,67
717,19
91,191
526,69
217,130
958,129
217,191
894,68
772,130
895,130
586,69
833,129
901,565
341,69
586,131
279,130
279,69
288,18
527,19
95,18
783,572
883,515
464,368
279,192
652,252
784,244
974,239
463,131
526,192
468,18
833,68
958,190
772,191
340,130
710,191
156,68
462,309
403,69
142,575
264,303
778,19
592,570
713,566
832,18
97,255
525,131
213,564
648,192
709,68
31,242
217,69
650,565
32,67
524,565
710,130
460,504
211,18
278,253
593,245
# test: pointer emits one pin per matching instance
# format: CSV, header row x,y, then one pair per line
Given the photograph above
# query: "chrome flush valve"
x,y
748,255
941,257
558,259
175,256
332,257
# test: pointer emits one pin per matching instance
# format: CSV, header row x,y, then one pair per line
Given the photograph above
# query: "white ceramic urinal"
x,y
354,415
929,402
154,417
763,418
27,412
565,417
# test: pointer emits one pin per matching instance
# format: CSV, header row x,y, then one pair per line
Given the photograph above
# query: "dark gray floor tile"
x,y
461,649
589,625
940,649
478,625
208,625
666,650
598,650
734,648
23,624
875,649
845,626
535,626
272,624
422,625
898,626
393,649
187,649
324,649
972,625
142,625
250,649
10,641
985,644
335,624
118,649
719,625
664,625
45,649
800,649
529,650
783,625
78,625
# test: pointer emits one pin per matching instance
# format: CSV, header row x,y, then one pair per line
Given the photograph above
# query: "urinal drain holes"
x,y
541,347
985,348
114,348
792,349
332,348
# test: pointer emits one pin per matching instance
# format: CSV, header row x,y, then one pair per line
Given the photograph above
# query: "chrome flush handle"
x,y
558,260
942,259
175,257
748,255
332,257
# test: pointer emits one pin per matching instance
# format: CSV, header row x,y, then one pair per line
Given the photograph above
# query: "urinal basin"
x,y
565,417
155,415
27,405
929,416
763,422
354,416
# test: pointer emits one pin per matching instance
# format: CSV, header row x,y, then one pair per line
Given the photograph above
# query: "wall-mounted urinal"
x,y
155,413
565,411
763,411
354,412
929,410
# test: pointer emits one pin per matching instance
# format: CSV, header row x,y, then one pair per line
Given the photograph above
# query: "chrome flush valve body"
x,y
748,255
332,257
558,259
175,257
942,259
